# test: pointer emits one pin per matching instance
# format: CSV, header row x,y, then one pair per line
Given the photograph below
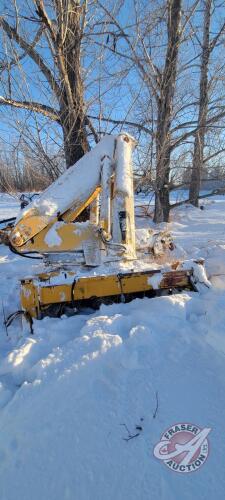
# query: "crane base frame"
x,y
59,290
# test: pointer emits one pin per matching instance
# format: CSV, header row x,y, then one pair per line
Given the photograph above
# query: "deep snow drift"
x,y
71,394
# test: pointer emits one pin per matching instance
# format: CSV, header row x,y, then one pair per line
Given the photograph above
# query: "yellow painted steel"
x,y
72,213
29,233
29,298
40,292
88,242
70,236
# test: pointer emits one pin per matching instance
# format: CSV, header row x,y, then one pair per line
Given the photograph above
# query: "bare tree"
x,y
163,46
153,50
167,82
203,108
61,24
198,156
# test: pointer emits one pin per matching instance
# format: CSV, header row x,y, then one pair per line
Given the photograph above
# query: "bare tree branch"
x,y
41,11
29,49
138,126
32,106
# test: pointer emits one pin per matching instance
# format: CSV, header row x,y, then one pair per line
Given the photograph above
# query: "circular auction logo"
x,y
183,447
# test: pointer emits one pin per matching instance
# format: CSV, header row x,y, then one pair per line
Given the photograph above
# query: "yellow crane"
x,y
96,260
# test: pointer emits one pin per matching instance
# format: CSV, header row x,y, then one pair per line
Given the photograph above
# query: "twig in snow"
x,y
4,319
157,405
131,437
128,432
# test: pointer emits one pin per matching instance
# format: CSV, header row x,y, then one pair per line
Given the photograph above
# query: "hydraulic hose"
x,y
26,255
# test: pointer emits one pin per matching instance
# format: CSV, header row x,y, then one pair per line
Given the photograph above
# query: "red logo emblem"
x,y
183,447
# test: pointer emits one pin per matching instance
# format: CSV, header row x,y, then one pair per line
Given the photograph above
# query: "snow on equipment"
x,y
102,259
6,225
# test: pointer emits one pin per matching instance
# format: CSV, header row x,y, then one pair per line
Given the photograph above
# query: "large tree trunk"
x,y
203,109
162,195
165,111
75,137
72,99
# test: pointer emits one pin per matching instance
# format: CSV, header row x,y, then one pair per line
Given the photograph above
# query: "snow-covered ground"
x,y
71,394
